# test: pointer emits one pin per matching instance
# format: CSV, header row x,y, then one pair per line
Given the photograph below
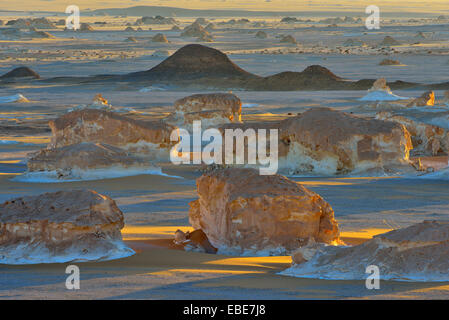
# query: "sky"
x,y
433,6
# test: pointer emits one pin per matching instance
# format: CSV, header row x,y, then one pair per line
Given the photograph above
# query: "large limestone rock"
x,y
99,126
77,160
212,109
427,139
328,142
416,253
64,226
242,212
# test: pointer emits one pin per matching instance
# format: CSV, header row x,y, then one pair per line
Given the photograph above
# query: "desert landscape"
x,y
358,127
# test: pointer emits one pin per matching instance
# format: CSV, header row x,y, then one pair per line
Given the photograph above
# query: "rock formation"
x,y
328,142
64,226
194,241
160,38
242,212
194,30
212,109
288,39
389,62
99,126
155,20
426,99
20,72
415,253
261,35
74,161
380,91
389,41
85,27
427,139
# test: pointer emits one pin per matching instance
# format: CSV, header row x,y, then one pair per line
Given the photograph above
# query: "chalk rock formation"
x,y
427,139
242,212
416,253
194,30
446,97
261,35
389,41
380,91
212,109
389,62
131,39
175,28
348,143
20,72
74,161
99,126
288,39
155,20
328,142
85,27
64,226
160,38
426,99
194,241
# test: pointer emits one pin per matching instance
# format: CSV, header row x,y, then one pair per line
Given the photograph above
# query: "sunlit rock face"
x,y
416,253
74,161
427,139
325,141
380,92
212,109
99,126
426,99
242,212
194,30
64,226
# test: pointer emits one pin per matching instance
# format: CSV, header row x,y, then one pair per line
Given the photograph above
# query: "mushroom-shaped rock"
x,y
243,212
79,225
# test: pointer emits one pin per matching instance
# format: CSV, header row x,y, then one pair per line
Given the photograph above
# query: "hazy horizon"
x,y
412,6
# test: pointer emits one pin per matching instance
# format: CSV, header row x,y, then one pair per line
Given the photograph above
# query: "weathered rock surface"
x,y
69,160
416,253
64,226
242,212
427,139
329,142
99,126
194,30
160,38
211,109
426,99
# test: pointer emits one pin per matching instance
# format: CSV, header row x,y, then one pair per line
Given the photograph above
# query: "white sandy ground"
x,y
156,205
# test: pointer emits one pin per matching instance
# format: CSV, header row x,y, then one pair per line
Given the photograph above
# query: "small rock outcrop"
x,y
415,253
212,109
64,226
288,39
427,99
195,30
160,38
20,72
389,62
242,212
261,35
389,41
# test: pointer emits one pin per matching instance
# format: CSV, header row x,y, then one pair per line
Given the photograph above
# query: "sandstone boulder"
x,y
64,226
242,212
416,253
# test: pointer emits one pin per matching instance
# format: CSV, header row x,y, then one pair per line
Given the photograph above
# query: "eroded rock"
x,y
415,253
242,212
79,225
